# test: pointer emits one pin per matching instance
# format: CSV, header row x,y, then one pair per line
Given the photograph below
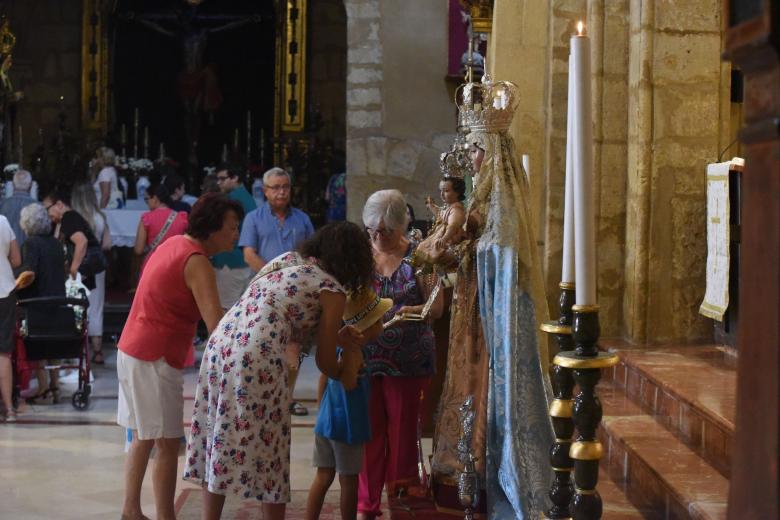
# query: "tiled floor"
x,y
57,462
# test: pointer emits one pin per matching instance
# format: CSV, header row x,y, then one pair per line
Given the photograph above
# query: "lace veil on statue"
x,y
512,305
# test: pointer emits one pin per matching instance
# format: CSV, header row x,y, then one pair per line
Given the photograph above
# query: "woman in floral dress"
x,y
240,439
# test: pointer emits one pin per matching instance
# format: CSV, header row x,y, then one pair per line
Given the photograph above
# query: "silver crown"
x,y
486,106
456,162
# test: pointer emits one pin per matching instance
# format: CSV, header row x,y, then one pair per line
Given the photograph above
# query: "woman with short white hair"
x,y
401,361
43,255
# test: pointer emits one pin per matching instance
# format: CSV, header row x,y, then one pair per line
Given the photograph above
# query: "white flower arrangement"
x,y
210,170
11,168
134,164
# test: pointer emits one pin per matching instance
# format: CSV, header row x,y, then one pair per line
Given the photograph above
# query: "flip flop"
x,y
298,409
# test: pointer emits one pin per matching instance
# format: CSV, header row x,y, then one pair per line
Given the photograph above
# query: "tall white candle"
x,y
224,153
567,271
123,139
584,210
162,151
146,142
235,140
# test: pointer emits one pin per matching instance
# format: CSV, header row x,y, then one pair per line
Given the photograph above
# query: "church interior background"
x,y
366,87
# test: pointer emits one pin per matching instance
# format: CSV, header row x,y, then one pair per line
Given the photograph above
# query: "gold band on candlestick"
x,y
553,327
586,450
571,360
567,286
562,408
584,308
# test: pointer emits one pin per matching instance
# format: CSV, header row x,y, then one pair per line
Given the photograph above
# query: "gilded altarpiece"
x,y
95,62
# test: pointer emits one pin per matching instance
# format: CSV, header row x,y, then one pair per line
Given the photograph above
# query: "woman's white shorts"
x,y
151,399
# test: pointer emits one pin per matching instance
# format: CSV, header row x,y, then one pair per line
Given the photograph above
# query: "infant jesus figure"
x,y
450,217
432,254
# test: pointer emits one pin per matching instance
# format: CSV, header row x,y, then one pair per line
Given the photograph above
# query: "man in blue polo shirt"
x,y
275,227
232,272
270,230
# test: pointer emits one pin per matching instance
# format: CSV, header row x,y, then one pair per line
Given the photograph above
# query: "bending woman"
x,y
177,288
240,438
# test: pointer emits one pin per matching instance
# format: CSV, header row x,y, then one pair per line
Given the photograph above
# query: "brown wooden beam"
x,y
753,44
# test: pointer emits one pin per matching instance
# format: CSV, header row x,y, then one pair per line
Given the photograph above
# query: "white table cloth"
x,y
123,224
136,204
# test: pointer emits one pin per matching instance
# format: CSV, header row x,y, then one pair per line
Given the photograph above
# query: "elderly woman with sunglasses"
x,y
401,361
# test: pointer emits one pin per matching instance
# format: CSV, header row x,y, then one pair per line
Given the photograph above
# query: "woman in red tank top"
x,y
177,289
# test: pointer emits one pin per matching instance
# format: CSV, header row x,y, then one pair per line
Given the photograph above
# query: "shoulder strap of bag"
x,y
163,231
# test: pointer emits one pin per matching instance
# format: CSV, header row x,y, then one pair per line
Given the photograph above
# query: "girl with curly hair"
x,y
240,436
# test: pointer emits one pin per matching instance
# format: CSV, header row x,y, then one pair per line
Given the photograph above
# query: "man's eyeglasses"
x,y
49,206
281,187
381,232
222,178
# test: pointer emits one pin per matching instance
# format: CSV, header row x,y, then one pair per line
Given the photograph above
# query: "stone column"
x,y
399,115
674,99
608,27
364,93
518,53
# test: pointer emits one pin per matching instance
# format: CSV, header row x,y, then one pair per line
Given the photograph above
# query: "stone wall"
x,y
399,115
675,92
661,113
608,25
47,65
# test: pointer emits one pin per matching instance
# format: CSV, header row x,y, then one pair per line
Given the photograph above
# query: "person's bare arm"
x,y
105,194
140,239
321,387
252,259
105,240
79,251
330,333
14,255
374,331
201,280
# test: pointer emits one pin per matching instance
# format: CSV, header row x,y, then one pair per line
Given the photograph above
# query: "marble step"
x,y
656,470
691,390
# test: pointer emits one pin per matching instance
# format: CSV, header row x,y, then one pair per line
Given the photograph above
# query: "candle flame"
x,y
580,28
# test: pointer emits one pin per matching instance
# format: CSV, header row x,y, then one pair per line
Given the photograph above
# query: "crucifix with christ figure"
x,y
198,85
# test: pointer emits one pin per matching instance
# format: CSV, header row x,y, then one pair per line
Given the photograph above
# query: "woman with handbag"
x,y
159,223
84,202
85,255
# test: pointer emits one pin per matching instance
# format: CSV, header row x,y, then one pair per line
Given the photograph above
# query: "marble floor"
x,y
57,462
